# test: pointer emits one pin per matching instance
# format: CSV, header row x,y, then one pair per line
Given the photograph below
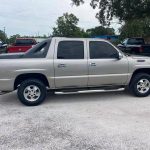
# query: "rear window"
x,y
24,42
135,41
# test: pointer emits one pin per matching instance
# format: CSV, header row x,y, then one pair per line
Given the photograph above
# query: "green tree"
x,y
66,26
123,10
3,36
100,30
135,28
12,38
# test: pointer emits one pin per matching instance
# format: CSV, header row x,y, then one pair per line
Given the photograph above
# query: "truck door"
x,y
104,67
70,64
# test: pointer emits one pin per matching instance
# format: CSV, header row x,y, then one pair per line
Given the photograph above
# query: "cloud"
x,y
30,17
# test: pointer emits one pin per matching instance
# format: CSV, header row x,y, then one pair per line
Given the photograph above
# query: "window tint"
x,y
100,50
70,50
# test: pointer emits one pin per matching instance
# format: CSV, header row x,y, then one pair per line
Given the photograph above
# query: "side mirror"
x,y
5,45
119,56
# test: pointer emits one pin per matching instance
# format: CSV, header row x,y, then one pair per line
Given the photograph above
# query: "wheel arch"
x,y
22,77
142,70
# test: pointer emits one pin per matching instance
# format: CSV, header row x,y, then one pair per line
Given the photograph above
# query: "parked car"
x,y
72,64
21,45
3,47
135,46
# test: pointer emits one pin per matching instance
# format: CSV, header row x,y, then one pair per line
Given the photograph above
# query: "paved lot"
x,y
109,121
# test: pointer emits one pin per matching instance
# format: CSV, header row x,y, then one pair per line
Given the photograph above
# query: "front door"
x,y
104,67
70,63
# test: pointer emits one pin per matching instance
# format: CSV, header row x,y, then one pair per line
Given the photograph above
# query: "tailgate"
x,y
16,49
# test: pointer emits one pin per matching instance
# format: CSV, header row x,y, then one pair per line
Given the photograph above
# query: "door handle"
x,y
61,66
92,64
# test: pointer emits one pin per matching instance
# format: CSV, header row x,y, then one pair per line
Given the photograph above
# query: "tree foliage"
x,y
124,10
66,26
136,28
100,30
3,36
12,38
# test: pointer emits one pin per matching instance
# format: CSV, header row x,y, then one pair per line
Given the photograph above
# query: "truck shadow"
x,y
11,99
84,97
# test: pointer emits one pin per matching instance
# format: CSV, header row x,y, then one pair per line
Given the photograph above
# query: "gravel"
x,y
90,121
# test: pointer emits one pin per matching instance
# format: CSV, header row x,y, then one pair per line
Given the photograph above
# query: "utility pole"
x,y
5,34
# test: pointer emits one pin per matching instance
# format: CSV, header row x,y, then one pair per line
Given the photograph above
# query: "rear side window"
x,y
101,50
70,50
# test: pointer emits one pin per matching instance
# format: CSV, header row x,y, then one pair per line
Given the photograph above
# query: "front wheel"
x,y
32,92
140,85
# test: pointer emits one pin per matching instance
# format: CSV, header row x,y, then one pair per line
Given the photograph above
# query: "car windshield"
x,y
24,42
135,41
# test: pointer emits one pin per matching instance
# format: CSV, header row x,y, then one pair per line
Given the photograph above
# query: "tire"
x,y
140,85
32,92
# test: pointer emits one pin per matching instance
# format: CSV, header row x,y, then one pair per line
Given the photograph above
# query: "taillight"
x,y
141,49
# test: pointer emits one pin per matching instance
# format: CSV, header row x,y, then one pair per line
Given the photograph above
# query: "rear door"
x,y
70,63
104,67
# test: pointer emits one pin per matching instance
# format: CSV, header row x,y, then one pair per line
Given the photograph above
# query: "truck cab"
x,y
88,62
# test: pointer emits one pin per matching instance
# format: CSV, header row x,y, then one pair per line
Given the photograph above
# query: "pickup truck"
x,y
72,64
135,46
21,45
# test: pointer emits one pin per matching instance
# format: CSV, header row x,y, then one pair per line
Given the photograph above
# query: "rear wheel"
x,y
140,85
32,92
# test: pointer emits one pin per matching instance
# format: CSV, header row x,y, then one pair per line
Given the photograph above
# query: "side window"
x,y
70,50
125,41
101,50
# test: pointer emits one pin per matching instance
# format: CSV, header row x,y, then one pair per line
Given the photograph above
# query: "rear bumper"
x,y
6,84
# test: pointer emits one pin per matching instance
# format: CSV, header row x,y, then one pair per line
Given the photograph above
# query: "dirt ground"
x,y
90,121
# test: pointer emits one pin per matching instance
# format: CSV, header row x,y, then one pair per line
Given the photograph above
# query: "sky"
x,y
38,17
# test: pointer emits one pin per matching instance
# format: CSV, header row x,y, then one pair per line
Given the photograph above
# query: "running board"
x,y
89,91
2,93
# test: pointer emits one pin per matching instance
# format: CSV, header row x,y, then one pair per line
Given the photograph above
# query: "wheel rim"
x,y
143,86
32,93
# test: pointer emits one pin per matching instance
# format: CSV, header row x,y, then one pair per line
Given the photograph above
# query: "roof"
x,y
71,38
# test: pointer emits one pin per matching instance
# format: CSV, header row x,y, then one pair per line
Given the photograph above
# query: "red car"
x,y
21,45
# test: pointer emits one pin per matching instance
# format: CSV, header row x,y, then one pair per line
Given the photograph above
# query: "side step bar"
x,y
2,93
90,91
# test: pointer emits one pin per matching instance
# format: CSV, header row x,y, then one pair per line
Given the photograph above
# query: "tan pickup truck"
x,y
72,64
